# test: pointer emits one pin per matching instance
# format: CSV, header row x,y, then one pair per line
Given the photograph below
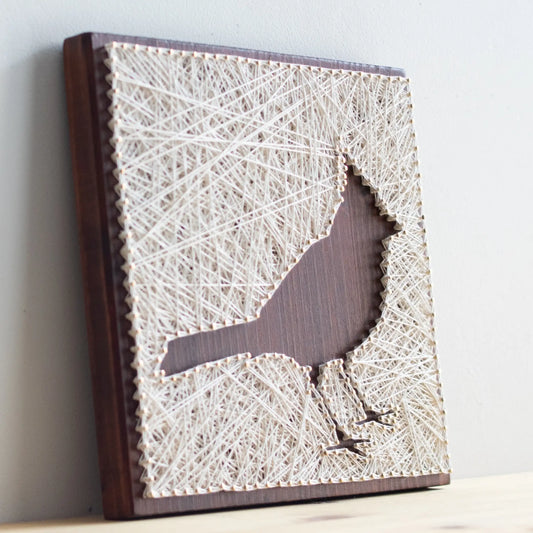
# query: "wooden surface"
x,y
496,503
109,342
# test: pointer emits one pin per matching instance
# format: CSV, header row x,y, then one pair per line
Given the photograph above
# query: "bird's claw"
x,y
374,416
352,445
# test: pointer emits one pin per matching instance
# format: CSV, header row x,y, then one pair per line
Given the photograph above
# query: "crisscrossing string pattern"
x,y
227,170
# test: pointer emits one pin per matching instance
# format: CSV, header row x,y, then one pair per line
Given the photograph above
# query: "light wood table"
x,y
495,503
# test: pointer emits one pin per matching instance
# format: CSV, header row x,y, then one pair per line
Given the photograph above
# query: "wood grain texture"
x,y
109,342
100,289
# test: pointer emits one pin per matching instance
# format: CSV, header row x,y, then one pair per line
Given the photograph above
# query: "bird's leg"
x,y
343,406
347,409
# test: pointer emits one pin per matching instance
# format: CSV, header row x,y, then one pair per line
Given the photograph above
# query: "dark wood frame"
x,y
109,342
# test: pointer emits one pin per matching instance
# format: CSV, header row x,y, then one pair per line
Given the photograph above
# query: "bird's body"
x,y
323,308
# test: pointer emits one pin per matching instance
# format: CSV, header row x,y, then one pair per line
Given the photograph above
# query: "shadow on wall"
x,y
53,470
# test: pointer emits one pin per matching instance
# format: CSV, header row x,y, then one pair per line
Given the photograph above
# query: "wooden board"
x,y
354,291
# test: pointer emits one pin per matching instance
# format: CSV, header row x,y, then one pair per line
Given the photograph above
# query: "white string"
x,y
228,169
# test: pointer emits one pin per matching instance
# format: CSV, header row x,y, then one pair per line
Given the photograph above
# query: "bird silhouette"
x,y
323,309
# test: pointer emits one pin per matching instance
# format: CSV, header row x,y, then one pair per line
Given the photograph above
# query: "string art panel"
x,y
257,282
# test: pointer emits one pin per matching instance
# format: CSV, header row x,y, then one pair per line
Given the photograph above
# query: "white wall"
x,y
471,66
